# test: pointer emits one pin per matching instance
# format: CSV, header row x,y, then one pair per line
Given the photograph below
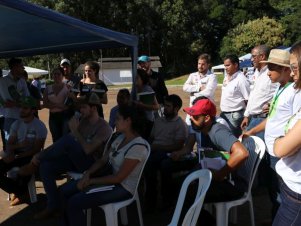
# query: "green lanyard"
x,y
279,91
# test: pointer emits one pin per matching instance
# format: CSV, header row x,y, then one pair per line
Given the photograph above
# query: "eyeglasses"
x,y
294,68
255,56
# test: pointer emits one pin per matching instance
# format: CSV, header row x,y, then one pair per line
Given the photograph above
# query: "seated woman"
x,y
126,154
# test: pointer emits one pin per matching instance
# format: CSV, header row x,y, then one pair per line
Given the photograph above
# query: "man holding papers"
x,y
202,116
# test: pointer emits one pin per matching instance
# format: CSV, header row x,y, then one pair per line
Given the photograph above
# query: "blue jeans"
x,y
289,212
64,155
254,122
75,201
234,120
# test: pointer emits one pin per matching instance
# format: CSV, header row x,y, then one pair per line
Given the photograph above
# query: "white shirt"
x,y
261,94
197,80
235,92
287,104
21,88
289,168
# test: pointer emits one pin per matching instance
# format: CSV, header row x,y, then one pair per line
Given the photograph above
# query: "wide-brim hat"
x,y
279,57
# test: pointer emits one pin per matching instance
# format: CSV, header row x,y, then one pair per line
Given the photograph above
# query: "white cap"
x,y
65,61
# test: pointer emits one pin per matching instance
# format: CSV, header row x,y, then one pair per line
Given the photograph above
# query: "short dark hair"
x,y
175,100
13,62
136,116
199,98
206,57
233,58
143,76
124,92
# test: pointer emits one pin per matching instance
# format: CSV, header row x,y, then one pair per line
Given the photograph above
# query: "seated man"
x,y
27,137
202,116
76,151
195,137
168,135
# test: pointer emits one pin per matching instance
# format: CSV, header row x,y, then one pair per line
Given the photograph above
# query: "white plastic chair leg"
x,y
124,216
221,215
111,216
252,212
139,210
89,216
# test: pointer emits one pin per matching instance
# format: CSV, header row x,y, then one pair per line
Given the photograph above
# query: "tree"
x,y
244,37
289,13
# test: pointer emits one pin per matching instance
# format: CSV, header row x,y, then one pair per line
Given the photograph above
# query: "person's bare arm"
x,y
127,167
88,147
238,154
260,127
290,143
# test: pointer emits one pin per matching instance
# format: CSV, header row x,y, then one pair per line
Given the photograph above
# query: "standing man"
x,y
69,78
235,94
286,102
201,83
156,80
12,88
262,92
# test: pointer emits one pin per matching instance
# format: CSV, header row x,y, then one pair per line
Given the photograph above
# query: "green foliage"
x,y
177,30
244,37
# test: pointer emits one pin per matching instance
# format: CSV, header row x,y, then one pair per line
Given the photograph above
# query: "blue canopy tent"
x,y
28,29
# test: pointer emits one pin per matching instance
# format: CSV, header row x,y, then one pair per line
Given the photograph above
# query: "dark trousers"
x,y
160,162
17,186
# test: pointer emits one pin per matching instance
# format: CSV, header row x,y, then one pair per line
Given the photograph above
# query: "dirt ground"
x,y
23,214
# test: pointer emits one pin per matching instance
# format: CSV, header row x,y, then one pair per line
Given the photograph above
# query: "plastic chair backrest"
x,y
204,179
256,148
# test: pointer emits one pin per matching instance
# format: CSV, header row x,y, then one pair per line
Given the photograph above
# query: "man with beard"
x,y
168,135
27,137
202,116
201,83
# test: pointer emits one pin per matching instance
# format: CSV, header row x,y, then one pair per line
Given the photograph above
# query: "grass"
x,y
179,81
182,79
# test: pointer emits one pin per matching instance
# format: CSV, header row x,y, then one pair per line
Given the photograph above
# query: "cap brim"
x,y
187,111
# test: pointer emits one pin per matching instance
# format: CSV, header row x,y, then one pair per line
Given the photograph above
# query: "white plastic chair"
x,y
204,179
31,184
256,148
111,209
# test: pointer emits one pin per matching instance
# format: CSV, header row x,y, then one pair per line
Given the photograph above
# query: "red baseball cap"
x,y
202,107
